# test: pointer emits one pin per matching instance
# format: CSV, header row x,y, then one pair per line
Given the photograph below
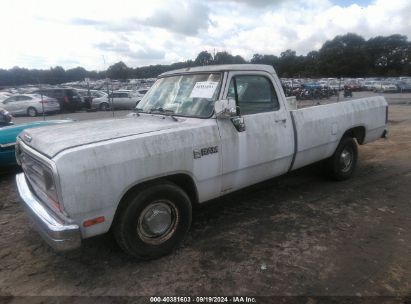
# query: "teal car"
x,y
8,135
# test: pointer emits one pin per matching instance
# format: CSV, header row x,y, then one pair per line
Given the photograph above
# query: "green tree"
x,y
203,58
119,71
344,56
265,59
389,55
227,58
77,73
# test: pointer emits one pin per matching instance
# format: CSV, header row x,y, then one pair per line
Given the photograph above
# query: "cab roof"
x,y
222,68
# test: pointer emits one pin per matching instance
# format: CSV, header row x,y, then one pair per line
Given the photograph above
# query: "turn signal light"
x,y
94,221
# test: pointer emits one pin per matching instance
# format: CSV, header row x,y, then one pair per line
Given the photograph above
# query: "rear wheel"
x,y
151,222
341,165
32,112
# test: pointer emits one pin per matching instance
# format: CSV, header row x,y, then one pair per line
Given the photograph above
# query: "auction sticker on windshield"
x,y
204,89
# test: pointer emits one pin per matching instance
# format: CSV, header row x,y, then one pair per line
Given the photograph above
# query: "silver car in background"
x,y
125,100
30,104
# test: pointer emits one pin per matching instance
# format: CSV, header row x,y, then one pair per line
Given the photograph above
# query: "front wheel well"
x,y
358,133
184,181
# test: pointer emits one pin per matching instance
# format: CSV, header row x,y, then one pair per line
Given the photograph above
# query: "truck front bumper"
x,y
59,235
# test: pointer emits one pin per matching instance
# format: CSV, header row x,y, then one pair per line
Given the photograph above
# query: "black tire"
x,y
104,106
132,223
341,165
32,112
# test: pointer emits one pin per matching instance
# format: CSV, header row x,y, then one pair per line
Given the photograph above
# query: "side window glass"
x,y
49,93
231,90
23,98
255,94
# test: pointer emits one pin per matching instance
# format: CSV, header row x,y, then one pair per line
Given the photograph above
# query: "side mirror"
x,y
225,108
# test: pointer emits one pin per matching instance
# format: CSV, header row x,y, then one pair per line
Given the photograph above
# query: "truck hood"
x,y
52,140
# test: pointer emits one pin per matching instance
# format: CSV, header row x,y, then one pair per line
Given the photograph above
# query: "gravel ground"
x,y
299,234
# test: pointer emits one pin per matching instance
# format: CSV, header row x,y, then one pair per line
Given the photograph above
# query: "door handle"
x,y
284,120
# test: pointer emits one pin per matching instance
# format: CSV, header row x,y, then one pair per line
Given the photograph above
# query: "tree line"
x,y
348,55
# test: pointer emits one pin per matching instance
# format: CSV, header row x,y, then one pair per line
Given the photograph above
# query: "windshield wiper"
x,y
138,110
160,110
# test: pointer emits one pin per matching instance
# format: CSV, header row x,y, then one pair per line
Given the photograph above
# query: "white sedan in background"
x,y
30,104
125,100
385,87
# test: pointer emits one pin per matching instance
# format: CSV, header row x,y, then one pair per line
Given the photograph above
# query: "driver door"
x,y
265,148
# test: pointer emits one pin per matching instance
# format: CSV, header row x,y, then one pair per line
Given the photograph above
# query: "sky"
x,y
95,34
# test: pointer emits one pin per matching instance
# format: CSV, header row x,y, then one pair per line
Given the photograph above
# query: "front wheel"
x,y
151,222
341,165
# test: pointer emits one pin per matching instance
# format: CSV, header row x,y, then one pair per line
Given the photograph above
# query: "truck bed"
x,y
318,129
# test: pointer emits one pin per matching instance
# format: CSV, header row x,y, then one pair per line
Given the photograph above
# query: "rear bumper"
x,y
59,235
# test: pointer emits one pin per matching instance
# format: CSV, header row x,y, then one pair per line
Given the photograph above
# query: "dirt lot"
x,y
296,235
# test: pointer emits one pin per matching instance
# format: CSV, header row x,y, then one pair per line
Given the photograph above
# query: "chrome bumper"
x,y
55,232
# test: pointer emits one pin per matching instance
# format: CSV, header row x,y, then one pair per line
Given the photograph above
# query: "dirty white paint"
x,y
319,129
265,149
99,161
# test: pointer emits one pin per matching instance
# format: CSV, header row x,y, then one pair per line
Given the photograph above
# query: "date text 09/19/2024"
x,y
199,299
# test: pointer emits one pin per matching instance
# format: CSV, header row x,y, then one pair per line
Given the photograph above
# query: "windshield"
x,y
184,95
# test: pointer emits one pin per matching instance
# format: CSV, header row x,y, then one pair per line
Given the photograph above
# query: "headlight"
x,y
50,189
41,179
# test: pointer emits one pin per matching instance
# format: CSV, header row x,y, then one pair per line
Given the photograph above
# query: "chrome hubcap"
x,y
346,158
157,222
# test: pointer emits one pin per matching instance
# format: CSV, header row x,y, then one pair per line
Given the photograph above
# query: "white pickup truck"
x,y
199,133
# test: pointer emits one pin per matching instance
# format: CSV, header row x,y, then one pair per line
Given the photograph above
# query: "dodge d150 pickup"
x,y
197,134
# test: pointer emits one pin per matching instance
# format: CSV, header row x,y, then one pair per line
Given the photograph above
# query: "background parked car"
x,y
30,104
369,85
5,118
4,95
8,137
404,86
385,87
68,99
87,97
116,100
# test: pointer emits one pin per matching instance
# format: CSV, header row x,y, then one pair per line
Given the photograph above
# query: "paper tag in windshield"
x,y
204,89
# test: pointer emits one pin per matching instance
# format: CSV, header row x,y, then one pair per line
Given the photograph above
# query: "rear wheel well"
x,y
184,181
358,133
